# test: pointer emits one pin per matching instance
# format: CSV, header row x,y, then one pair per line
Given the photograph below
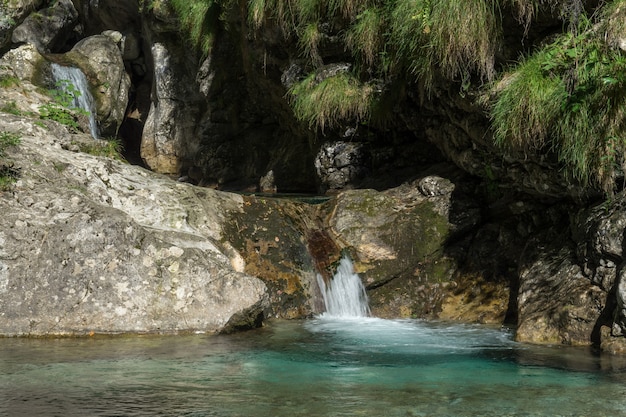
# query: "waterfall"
x,y
344,296
74,83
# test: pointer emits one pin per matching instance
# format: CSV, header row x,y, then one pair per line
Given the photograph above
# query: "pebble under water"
x,y
320,367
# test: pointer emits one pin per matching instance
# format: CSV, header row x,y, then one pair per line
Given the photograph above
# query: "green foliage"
x,y
7,81
569,98
309,42
365,36
200,20
328,102
463,36
62,109
8,139
424,37
8,174
65,93
110,148
453,38
293,16
56,113
566,98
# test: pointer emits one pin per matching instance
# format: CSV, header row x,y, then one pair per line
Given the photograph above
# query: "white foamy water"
x,y
344,295
69,78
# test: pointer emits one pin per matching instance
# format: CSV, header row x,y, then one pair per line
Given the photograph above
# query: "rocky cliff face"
x,y
439,222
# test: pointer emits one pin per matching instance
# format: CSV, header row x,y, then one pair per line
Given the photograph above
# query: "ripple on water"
x,y
321,367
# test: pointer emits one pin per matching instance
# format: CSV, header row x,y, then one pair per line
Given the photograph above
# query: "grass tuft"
x,y
199,20
463,36
365,36
110,148
309,42
7,81
569,98
331,101
8,174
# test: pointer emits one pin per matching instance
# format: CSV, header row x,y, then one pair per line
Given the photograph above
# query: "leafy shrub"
x,y
62,109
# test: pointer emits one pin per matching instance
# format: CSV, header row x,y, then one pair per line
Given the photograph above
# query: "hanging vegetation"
x,y
565,98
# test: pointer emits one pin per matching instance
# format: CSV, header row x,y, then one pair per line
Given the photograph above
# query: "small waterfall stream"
x,y
344,296
73,82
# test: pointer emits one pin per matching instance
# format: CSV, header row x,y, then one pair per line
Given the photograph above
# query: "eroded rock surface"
x,y
90,244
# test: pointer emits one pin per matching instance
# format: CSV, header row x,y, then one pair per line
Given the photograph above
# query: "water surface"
x,y
321,367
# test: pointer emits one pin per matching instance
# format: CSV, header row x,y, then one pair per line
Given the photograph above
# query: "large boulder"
x,y
598,233
571,281
100,59
283,243
169,129
89,244
169,137
25,63
12,14
48,29
400,241
557,304
341,165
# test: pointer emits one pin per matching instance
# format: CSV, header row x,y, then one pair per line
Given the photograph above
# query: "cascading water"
x,y
74,83
344,296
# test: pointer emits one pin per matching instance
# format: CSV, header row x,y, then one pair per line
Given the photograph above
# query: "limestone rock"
x,y
100,59
557,304
169,130
49,28
340,165
397,239
12,14
280,242
100,15
90,244
571,287
25,63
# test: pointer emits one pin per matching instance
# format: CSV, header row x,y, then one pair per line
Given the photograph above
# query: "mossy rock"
x,y
398,244
273,237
